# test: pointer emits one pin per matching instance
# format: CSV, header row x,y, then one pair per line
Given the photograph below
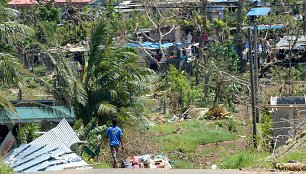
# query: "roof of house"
x,y
26,3
36,114
258,11
291,100
288,100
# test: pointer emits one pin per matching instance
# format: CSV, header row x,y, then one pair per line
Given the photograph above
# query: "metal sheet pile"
x,y
48,152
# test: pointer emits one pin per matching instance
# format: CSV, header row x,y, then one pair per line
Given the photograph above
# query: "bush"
x,y
5,169
28,132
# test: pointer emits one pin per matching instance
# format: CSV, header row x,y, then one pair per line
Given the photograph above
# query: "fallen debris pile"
x,y
147,161
291,166
49,152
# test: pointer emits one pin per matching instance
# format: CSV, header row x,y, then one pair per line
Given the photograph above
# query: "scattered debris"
x,y
217,112
147,161
199,113
291,166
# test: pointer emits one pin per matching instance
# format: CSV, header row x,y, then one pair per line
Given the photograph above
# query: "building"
x,y
288,117
59,3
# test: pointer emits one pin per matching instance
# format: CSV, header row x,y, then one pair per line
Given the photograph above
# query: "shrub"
x,y
28,132
5,169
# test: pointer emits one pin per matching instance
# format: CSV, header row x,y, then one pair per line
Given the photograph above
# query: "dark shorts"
x,y
114,149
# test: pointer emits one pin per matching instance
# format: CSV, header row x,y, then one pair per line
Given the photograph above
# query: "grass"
x,y
5,169
243,159
102,165
188,135
294,155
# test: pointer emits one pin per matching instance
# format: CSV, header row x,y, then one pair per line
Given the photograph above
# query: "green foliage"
x,y
48,12
226,56
45,32
177,87
219,23
228,124
5,169
40,70
72,33
242,159
298,155
92,132
266,130
102,165
28,132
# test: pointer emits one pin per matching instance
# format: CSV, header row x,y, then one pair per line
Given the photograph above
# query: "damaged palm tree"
x,y
111,78
11,33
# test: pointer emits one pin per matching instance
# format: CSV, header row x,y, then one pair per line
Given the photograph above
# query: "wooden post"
x,y
252,89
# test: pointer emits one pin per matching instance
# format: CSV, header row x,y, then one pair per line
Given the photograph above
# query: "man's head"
x,y
115,121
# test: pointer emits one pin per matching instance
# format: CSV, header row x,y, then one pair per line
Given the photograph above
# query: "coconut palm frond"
x,y
106,108
12,28
11,69
8,12
6,109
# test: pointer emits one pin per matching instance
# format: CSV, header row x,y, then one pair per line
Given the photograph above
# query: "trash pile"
x,y
146,161
49,152
182,117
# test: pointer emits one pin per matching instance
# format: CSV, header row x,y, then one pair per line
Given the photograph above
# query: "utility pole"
x,y
252,89
256,62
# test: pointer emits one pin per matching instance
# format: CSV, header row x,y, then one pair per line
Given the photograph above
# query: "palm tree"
x,y
11,32
111,78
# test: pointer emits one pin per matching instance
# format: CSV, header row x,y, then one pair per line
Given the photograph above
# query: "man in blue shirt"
x,y
114,134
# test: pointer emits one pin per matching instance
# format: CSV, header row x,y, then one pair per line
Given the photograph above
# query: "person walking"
x,y
114,133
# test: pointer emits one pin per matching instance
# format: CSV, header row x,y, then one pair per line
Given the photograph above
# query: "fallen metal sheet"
x,y
62,134
44,165
27,152
67,165
34,155
33,160
48,152
14,152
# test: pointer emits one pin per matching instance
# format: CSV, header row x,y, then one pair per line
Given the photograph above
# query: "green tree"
x,y
111,79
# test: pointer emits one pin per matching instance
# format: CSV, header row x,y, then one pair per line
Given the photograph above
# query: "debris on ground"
x,y
147,161
177,118
199,113
49,152
291,166
217,112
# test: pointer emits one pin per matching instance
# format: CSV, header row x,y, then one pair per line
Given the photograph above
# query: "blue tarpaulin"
x,y
266,27
150,45
258,11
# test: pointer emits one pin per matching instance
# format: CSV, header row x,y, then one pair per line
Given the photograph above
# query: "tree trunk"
x,y
239,36
203,30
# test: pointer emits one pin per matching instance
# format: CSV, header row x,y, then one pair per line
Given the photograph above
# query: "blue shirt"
x,y
114,134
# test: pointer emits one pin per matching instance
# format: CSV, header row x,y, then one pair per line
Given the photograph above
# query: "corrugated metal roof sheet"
x,y
30,114
258,11
62,134
43,159
48,152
